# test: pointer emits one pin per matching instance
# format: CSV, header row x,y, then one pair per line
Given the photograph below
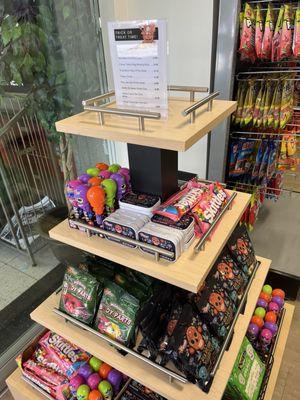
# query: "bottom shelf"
x,y
20,390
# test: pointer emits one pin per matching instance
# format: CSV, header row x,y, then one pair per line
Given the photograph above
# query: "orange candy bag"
x,y
296,41
247,49
286,40
268,34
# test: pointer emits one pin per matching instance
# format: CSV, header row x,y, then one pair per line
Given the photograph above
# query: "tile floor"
x,y
17,274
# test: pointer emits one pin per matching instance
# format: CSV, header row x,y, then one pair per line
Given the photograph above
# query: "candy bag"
x,y
228,275
259,31
54,350
257,105
242,90
286,39
245,150
79,295
247,45
277,35
287,101
264,163
215,307
241,248
116,314
267,103
194,350
258,160
268,34
180,203
234,150
277,104
296,41
260,112
270,116
46,378
249,104
271,167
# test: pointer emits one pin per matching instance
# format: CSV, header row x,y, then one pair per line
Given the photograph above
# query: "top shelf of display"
x,y
188,121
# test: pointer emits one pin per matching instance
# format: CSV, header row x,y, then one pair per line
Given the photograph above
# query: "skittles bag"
x,y
79,295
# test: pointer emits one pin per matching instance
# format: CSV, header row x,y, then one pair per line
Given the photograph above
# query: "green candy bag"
x,y
79,295
117,313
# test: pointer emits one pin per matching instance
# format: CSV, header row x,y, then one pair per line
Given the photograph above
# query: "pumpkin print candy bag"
x,y
241,248
215,307
79,295
229,276
194,350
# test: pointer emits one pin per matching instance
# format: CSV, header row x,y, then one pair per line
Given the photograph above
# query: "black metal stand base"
x,y
153,171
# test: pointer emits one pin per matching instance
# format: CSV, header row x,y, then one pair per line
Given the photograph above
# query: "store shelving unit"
x,y
188,272
164,138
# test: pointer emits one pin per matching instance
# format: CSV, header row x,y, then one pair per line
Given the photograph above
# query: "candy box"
x,y
140,203
136,391
247,374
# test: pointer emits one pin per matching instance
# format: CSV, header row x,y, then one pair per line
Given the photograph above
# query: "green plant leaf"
x,y
28,61
60,79
66,12
16,32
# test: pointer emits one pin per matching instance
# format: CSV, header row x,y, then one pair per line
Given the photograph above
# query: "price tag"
x,y
139,59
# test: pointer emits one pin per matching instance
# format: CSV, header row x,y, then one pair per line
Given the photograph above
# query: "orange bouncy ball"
x,y
265,296
271,317
96,198
104,370
95,181
257,321
278,292
102,166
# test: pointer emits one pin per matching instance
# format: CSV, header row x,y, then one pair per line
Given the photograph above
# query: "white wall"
x,y
190,42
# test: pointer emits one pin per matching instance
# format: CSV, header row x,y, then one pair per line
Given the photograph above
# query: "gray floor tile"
x,y
13,283
45,260
7,253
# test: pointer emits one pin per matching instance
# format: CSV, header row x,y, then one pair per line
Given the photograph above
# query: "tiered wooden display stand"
x,y
188,272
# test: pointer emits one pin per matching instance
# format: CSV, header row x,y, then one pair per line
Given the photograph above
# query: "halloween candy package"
x,y
229,275
277,35
194,350
296,41
215,307
116,314
268,34
79,295
241,248
286,39
259,31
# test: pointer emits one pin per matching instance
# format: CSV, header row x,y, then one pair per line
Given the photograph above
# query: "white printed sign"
x,y
139,58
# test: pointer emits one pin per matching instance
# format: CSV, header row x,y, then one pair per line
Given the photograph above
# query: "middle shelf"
x,y
188,272
137,369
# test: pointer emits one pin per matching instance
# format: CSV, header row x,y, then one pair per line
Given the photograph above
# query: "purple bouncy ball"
x,y
272,306
262,303
84,178
94,380
115,379
265,337
75,382
272,327
252,332
105,174
85,371
121,185
278,300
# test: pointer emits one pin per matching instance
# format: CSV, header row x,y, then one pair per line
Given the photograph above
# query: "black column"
x,y
153,171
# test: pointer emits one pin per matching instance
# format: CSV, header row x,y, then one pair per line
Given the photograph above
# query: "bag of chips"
x,y
277,35
259,31
296,41
257,105
241,248
277,105
267,103
228,275
268,34
249,104
287,102
242,90
194,350
247,45
215,307
286,39
79,295
117,313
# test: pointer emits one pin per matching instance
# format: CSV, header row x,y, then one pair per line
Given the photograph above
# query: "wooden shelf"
x,y
278,355
20,390
137,369
188,272
173,133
